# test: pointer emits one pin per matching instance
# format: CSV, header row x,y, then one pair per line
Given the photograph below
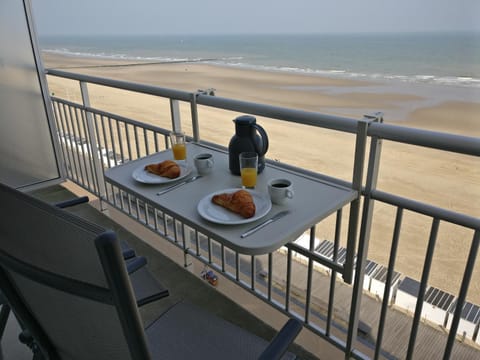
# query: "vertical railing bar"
x,y
120,142
237,266
467,276
175,230
100,167
85,146
97,163
61,118
114,196
270,276
73,145
167,144
105,143
165,224
137,208
145,213
112,140
155,140
129,145
66,155
194,114
252,272
120,197
331,294
145,139
66,137
97,130
137,143
90,147
209,249
68,140
388,281
106,150
122,201
155,219
147,217
184,246
193,239
222,249
423,286
197,243
61,125
309,274
80,154
289,279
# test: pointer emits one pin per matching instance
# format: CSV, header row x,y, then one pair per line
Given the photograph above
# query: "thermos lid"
x,y
245,120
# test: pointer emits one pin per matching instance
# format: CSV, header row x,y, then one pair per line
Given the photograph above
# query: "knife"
x,y
179,184
265,223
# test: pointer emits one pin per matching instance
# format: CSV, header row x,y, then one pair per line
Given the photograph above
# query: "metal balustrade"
x,y
289,279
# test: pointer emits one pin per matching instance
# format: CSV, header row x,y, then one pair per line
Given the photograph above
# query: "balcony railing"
x,y
364,320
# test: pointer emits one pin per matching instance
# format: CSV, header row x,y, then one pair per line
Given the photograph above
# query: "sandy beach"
x,y
439,178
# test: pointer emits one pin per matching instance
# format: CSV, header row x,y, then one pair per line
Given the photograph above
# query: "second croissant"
x,y
240,202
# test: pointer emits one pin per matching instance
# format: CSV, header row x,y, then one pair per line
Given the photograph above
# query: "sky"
x,y
139,17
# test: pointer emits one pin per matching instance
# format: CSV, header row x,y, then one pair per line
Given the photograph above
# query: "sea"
x,y
433,58
437,67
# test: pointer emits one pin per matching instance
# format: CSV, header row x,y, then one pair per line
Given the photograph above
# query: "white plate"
x,y
217,214
142,175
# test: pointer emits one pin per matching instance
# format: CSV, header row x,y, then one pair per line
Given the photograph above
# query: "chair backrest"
x,y
66,281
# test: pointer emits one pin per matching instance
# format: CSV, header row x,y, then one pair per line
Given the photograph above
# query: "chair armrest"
x,y
128,253
72,202
133,264
280,343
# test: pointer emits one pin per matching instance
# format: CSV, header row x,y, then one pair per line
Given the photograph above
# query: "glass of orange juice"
x,y
248,169
179,147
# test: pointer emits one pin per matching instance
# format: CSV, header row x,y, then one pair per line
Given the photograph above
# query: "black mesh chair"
x,y
66,280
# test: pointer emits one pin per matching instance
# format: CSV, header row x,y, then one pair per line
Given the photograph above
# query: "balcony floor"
x,y
181,283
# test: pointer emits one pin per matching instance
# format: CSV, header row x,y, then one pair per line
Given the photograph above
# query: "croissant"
x,y
240,202
167,168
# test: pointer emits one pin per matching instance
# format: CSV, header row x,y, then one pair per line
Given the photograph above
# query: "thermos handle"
x,y
264,137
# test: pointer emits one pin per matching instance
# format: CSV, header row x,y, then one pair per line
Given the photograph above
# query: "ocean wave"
x,y
466,81
108,56
242,62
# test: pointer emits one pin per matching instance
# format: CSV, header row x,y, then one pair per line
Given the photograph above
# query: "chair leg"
x,y
3,318
26,338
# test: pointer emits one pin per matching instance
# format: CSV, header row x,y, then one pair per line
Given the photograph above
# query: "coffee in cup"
x,y
204,163
280,191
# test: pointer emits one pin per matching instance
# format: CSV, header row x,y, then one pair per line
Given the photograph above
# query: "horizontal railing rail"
x,y
431,139
328,307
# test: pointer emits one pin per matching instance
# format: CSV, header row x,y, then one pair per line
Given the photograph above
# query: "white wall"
x,y
433,314
405,301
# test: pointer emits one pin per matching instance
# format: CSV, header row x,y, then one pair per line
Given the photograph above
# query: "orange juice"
x,y
179,151
249,177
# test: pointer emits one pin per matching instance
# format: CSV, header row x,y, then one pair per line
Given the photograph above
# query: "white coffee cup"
x,y
204,163
280,191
